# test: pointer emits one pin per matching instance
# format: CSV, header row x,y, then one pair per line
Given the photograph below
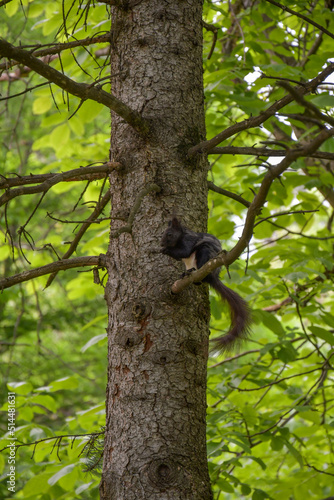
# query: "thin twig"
x,y
73,246
301,16
35,443
279,214
252,151
228,194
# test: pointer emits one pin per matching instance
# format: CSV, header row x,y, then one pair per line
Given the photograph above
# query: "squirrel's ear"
x,y
175,222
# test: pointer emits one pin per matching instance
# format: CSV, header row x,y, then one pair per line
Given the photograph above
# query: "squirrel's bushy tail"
x,y
240,317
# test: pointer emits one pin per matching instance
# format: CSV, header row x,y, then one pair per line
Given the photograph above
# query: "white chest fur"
x,y
190,262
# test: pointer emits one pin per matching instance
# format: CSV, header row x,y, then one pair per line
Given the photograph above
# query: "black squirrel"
x,y
195,249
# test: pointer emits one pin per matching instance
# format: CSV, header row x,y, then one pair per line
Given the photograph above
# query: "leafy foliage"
x,y
271,407
53,341
270,415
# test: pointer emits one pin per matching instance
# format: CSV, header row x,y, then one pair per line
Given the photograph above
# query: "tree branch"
x,y
51,438
305,88
55,48
225,259
301,16
81,90
45,181
114,234
275,382
287,212
235,150
214,29
307,105
224,192
53,267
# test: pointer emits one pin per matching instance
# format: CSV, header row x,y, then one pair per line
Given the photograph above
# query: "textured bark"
x,y
155,430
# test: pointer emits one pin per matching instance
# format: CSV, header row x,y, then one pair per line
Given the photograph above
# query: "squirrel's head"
x,y
172,234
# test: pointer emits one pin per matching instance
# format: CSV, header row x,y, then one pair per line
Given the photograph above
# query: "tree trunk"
x,y
156,395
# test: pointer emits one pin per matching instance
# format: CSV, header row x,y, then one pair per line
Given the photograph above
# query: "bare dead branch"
x,y
19,72
232,358
46,181
205,146
55,49
98,209
210,27
96,221
35,443
79,174
81,90
53,267
59,47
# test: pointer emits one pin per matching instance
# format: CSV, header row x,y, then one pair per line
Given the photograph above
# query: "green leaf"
x,y
258,461
271,322
256,276
93,341
20,387
38,484
250,415
324,100
225,486
259,495
277,443
4,252
287,353
312,416
60,137
242,445
295,453
64,383
245,489
97,319
12,7
60,474
83,487
46,401
41,105
322,334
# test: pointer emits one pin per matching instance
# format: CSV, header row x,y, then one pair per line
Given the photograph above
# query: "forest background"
x,y
270,407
